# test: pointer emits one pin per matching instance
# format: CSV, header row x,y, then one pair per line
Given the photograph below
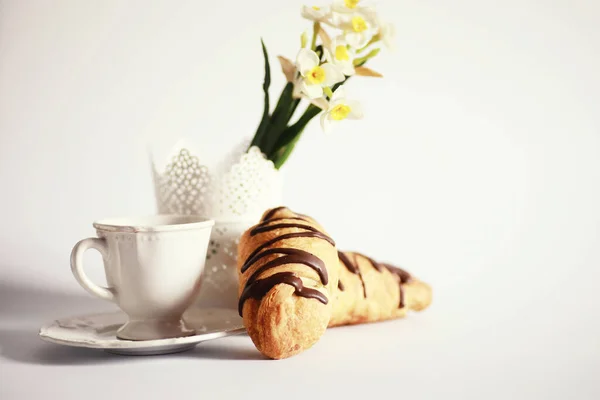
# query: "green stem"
x,y
374,39
362,60
291,135
286,152
311,112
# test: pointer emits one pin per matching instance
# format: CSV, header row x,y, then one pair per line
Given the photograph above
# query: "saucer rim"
x,y
131,344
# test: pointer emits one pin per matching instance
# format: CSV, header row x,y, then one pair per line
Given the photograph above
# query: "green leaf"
x,y
284,100
280,117
290,136
264,123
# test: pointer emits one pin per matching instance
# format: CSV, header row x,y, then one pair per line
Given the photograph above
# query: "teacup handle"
x,y
77,267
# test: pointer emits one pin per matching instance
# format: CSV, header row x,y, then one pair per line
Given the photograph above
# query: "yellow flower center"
x,y
316,75
351,3
359,24
341,53
316,8
340,112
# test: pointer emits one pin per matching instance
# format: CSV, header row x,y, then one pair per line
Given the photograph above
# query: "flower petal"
x,y
325,39
356,111
338,41
339,20
323,120
353,39
339,94
358,39
388,34
340,6
333,74
369,13
312,91
327,56
347,68
327,122
315,13
308,13
321,103
306,60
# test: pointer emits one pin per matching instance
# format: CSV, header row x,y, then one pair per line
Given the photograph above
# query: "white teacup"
x,y
153,268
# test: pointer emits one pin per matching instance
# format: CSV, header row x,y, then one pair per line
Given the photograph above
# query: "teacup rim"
x,y
153,223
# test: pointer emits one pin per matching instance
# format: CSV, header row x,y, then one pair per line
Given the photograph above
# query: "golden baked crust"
x,y
293,248
369,291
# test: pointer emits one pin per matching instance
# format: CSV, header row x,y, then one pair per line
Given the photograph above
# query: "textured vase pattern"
x,y
234,192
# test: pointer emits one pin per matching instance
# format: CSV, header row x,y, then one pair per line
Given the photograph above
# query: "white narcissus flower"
x,y
315,77
358,26
341,56
387,33
345,6
316,13
358,30
340,109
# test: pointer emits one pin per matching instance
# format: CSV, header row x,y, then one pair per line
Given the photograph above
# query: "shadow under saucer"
x,y
24,345
24,309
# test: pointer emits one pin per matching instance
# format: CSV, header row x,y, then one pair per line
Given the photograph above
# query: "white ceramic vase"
x,y
234,191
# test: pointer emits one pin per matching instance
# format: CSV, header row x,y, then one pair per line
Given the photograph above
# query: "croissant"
x,y
369,291
288,271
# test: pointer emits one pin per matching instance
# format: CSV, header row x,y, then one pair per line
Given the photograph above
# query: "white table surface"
x,y
476,167
536,348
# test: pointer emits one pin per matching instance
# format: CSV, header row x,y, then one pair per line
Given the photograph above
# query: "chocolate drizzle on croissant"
x,y
292,256
264,227
273,211
257,288
352,268
401,275
289,236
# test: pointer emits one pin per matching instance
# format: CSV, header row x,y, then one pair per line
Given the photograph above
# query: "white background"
x,y
477,167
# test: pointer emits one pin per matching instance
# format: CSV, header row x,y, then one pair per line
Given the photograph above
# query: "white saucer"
x,y
98,331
